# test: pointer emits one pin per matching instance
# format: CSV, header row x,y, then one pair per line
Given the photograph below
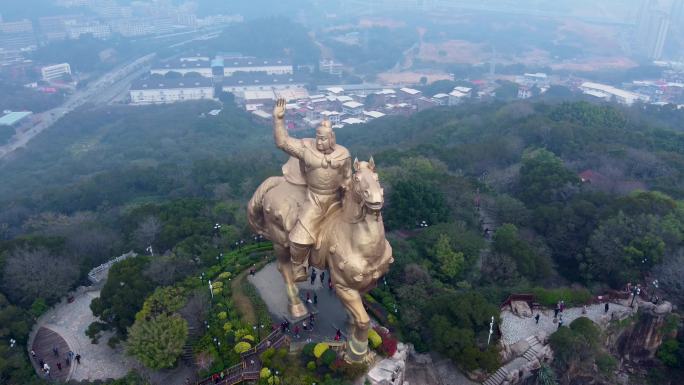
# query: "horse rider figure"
x,y
327,170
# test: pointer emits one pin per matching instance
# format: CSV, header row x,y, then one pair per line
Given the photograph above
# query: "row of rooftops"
x,y
238,79
184,63
157,83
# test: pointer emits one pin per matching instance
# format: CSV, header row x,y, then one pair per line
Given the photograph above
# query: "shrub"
x,y
225,275
308,350
319,349
328,357
227,327
265,373
311,366
389,346
267,355
222,315
113,342
248,337
242,347
374,339
572,297
273,380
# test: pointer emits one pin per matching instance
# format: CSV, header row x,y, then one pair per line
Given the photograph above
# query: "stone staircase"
x,y
497,378
533,351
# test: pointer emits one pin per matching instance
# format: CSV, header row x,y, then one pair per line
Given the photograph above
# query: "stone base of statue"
x,y
368,358
329,313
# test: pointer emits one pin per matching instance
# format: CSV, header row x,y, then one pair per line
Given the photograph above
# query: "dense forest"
x,y
585,197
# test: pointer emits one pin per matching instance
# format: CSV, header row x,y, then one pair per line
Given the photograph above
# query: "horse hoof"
x,y
298,310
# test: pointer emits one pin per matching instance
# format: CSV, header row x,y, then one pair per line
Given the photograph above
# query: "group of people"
x,y
69,358
322,278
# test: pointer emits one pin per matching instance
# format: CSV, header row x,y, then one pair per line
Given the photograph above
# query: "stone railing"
x,y
99,273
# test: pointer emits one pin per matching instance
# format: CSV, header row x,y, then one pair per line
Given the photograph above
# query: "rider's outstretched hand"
x,y
279,109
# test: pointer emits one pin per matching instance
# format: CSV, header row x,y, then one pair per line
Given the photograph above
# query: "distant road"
x,y
101,91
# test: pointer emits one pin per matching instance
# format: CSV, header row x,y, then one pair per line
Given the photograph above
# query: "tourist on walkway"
x,y
59,366
78,359
536,318
67,361
315,299
40,363
606,307
584,309
338,335
304,326
322,276
555,312
562,306
55,351
296,331
313,276
560,322
330,285
308,297
33,354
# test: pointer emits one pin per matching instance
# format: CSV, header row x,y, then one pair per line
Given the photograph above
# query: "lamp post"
x,y
655,284
211,289
491,330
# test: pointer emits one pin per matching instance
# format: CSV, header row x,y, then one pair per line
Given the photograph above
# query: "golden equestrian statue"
x,y
321,214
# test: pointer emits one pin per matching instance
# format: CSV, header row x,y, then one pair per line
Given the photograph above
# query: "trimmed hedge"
x,y
572,297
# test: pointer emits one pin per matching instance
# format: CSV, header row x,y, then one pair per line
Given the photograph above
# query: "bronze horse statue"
x,y
351,243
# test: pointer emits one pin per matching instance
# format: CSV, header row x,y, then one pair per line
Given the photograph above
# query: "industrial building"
x,y
14,118
607,92
161,91
56,71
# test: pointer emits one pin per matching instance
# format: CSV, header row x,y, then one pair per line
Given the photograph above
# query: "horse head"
x,y
366,187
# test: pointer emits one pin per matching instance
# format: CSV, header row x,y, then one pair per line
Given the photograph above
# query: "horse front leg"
x,y
296,307
357,343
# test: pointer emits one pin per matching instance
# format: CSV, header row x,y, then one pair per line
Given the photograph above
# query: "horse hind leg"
x,y
296,307
357,343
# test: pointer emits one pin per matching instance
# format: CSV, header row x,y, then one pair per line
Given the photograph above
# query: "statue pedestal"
x,y
329,313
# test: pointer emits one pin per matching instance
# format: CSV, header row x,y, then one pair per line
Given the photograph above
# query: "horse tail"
x,y
255,207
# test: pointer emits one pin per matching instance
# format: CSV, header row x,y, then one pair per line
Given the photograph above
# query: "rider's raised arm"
x,y
292,146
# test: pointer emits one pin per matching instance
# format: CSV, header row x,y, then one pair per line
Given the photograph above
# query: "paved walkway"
x,y
70,321
330,314
514,328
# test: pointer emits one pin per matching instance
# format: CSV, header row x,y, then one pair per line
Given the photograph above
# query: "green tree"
x,y
450,262
157,342
543,178
124,293
530,261
414,201
622,248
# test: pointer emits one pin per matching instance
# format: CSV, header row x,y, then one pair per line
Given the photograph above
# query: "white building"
x,y
352,108
457,97
271,67
441,99
55,71
258,81
160,91
330,67
202,67
99,31
410,92
607,92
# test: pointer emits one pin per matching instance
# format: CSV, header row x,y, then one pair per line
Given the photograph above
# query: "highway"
x,y
102,91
